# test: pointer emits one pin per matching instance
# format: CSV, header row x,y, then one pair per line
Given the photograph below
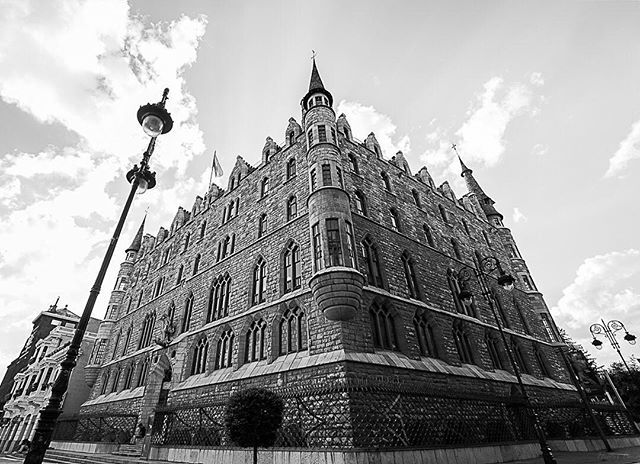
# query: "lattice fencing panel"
x,y
65,428
112,429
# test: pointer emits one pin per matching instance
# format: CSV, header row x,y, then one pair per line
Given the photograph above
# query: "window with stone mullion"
x,y
370,254
384,330
199,364
425,336
334,244
494,352
462,345
292,270
255,342
224,352
410,276
292,332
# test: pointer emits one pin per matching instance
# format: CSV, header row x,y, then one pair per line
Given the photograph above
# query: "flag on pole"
x,y
217,168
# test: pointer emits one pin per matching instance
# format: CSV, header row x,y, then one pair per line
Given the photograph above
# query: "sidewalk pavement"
x,y
617,456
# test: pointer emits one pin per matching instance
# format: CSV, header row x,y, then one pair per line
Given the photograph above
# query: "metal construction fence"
x,y
371,416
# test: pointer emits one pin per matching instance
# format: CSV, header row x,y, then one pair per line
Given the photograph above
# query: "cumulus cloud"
x,y
365,119
518,216
605,286
86,65
481,137
628,150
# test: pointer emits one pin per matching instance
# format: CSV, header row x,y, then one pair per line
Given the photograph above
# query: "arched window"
x,y
361,206
224,350
456,248
264,187
224,248
334,244
317,246
200,351
425,336
186,241
203,228
142,376
463,346
292,268
523,319
230,210
394,218
383,328
219,298
428,235
326,174
353,164
292,208
370,255
237,206
232,184
345,131
410,276
105,383
188,310
259,281
262,225
115,345
443,214
116,381
196,264
147,330
454,286
179,276
171,313
493,348
416,198
291,137
466,227
165,255
291,167
486,238
255,346
292,334
518,356
140,298
542,363
127,339
386,183
128,377
157,288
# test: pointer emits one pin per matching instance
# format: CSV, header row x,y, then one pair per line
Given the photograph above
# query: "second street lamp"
x,y
609,329
155,120
487,266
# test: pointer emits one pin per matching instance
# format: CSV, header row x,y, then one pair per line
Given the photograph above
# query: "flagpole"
x,y
213,163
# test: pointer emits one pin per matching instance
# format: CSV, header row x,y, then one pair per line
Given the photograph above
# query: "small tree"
x,y
252,418
628,385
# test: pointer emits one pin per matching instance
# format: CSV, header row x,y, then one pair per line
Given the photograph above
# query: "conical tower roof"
x,y
473,187
316,85
137,240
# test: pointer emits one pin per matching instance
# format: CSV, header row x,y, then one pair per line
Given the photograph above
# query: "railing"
x,y
118,428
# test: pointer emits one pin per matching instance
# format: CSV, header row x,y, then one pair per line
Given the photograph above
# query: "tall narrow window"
x,y
493,347
463,346
199,364
486,238
394,219
542,363
466,227
165,255
116,381
230,210
334,244
115,345
224,247
292,208
548,328
519,357
345,131
186,241
157,289
502,314
219,298
456,248
523,319
142,376
259,281
361,207
292,270
428,235
264,187
105,383
310,136
255,349
203,228
425,336
317,246
383,328
188,310
146,334
322,133
291,137
353,164
127,339
386,183
443,214
333,135
224,351
262,225
291,168
454,286
410,276
351,245
370,255
528,282
224,216
326,174
237,205
512,250
196,264
292,331
416,198
179,276
140,298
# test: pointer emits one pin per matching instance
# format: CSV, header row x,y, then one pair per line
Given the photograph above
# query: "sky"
x,y
542,98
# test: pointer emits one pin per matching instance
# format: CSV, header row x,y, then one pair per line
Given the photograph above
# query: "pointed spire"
x,y
465,169
316,82
137,240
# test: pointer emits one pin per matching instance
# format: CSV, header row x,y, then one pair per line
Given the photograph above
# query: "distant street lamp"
x,y
487,266
155,120
609,329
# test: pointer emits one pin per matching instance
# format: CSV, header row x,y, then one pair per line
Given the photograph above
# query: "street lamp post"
x,y
487,266
609,329
155,120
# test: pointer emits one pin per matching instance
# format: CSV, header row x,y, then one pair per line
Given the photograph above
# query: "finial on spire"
x,y
465,169
313,55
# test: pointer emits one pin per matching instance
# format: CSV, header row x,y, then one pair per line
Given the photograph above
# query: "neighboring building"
x,y
31,384
331,275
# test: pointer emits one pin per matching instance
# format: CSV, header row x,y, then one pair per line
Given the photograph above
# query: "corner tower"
x,y
336,283
486,203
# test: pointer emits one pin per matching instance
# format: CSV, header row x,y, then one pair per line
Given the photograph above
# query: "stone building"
x,y
31,386
332,274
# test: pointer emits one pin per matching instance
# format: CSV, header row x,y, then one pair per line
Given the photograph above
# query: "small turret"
x,y
486,203
137,240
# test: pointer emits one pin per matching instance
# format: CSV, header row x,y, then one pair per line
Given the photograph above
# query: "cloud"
x,y
629,149
539,149
365,119
536,79
605,286
85,65
518,216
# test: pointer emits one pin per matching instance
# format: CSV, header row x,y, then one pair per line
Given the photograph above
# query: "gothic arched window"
x,y
264,187
463,346
292,268
259,281
196,264
219,298
255,346
428,235
262,225
454,286
128,378
116,381
386,182
188,310
186,241
224,350
383,328
142,376
353,164
518,356
127,339
361,205
115,345
410,276
425,336
292,334
456,248
291,167
200,351
493,347
370,255
292,208
179,276
416,198
147,330
395,219
443,214
542,363
203,228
